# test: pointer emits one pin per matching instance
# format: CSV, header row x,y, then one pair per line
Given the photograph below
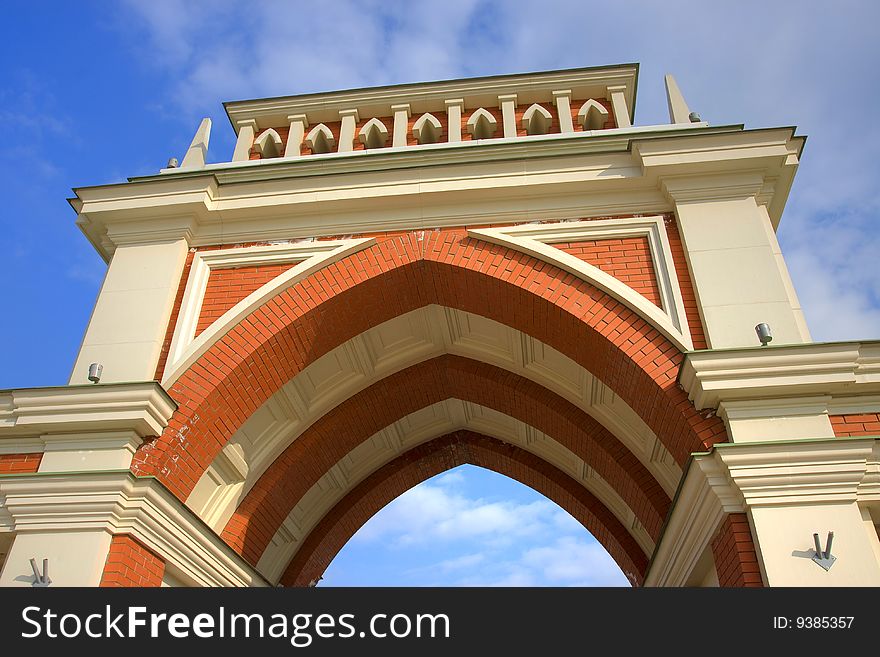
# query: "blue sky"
x,y
95,92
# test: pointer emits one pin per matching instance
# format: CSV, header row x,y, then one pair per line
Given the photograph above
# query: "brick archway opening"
x,y
445,453
330,439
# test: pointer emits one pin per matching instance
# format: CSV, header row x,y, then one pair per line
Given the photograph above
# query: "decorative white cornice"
x,y
592,173
796,472
835,368
119,503
144,408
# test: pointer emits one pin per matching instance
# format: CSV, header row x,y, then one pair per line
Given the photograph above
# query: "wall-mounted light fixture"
x,y
764,333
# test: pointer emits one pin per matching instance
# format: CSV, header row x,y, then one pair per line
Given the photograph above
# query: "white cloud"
x,y
483,542
433,512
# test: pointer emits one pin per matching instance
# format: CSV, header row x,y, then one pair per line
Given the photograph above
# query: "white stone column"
x,y
247,130
130,319
507,105
298,126
792,491
734,264
454,108
789,490
562,99
401,123
618,105
346,131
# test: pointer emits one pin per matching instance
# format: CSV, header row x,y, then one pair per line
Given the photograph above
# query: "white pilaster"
x,y
401,122
733,263
76,558
617,97
247,129
130,319
454,108
562,98
299,123
507,105
349,118
790,490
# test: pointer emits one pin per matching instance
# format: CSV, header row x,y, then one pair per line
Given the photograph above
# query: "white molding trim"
x,y
310,256
119,503
537,240
844,369
144,408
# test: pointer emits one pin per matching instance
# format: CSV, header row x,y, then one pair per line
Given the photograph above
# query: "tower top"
x,y
590,82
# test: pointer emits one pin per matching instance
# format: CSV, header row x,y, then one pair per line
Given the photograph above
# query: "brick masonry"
x,y
226,287
627,259
736,560
130,563
20,463
856,424
440,455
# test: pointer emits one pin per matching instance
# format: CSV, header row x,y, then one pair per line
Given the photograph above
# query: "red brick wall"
x,y
130,563
627,259
856,424
442,454
20,463
226,287
736,560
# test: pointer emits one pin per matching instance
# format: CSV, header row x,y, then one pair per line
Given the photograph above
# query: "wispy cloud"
x,y
480,541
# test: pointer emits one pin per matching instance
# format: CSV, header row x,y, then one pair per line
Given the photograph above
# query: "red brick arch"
x,y
442,454
400,273
329,439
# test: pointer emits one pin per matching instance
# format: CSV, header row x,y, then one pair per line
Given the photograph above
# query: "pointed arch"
x,y
592,115
320,139
349,424
482,124
373,134
290,330
268,144
427,129
324,542
536,120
